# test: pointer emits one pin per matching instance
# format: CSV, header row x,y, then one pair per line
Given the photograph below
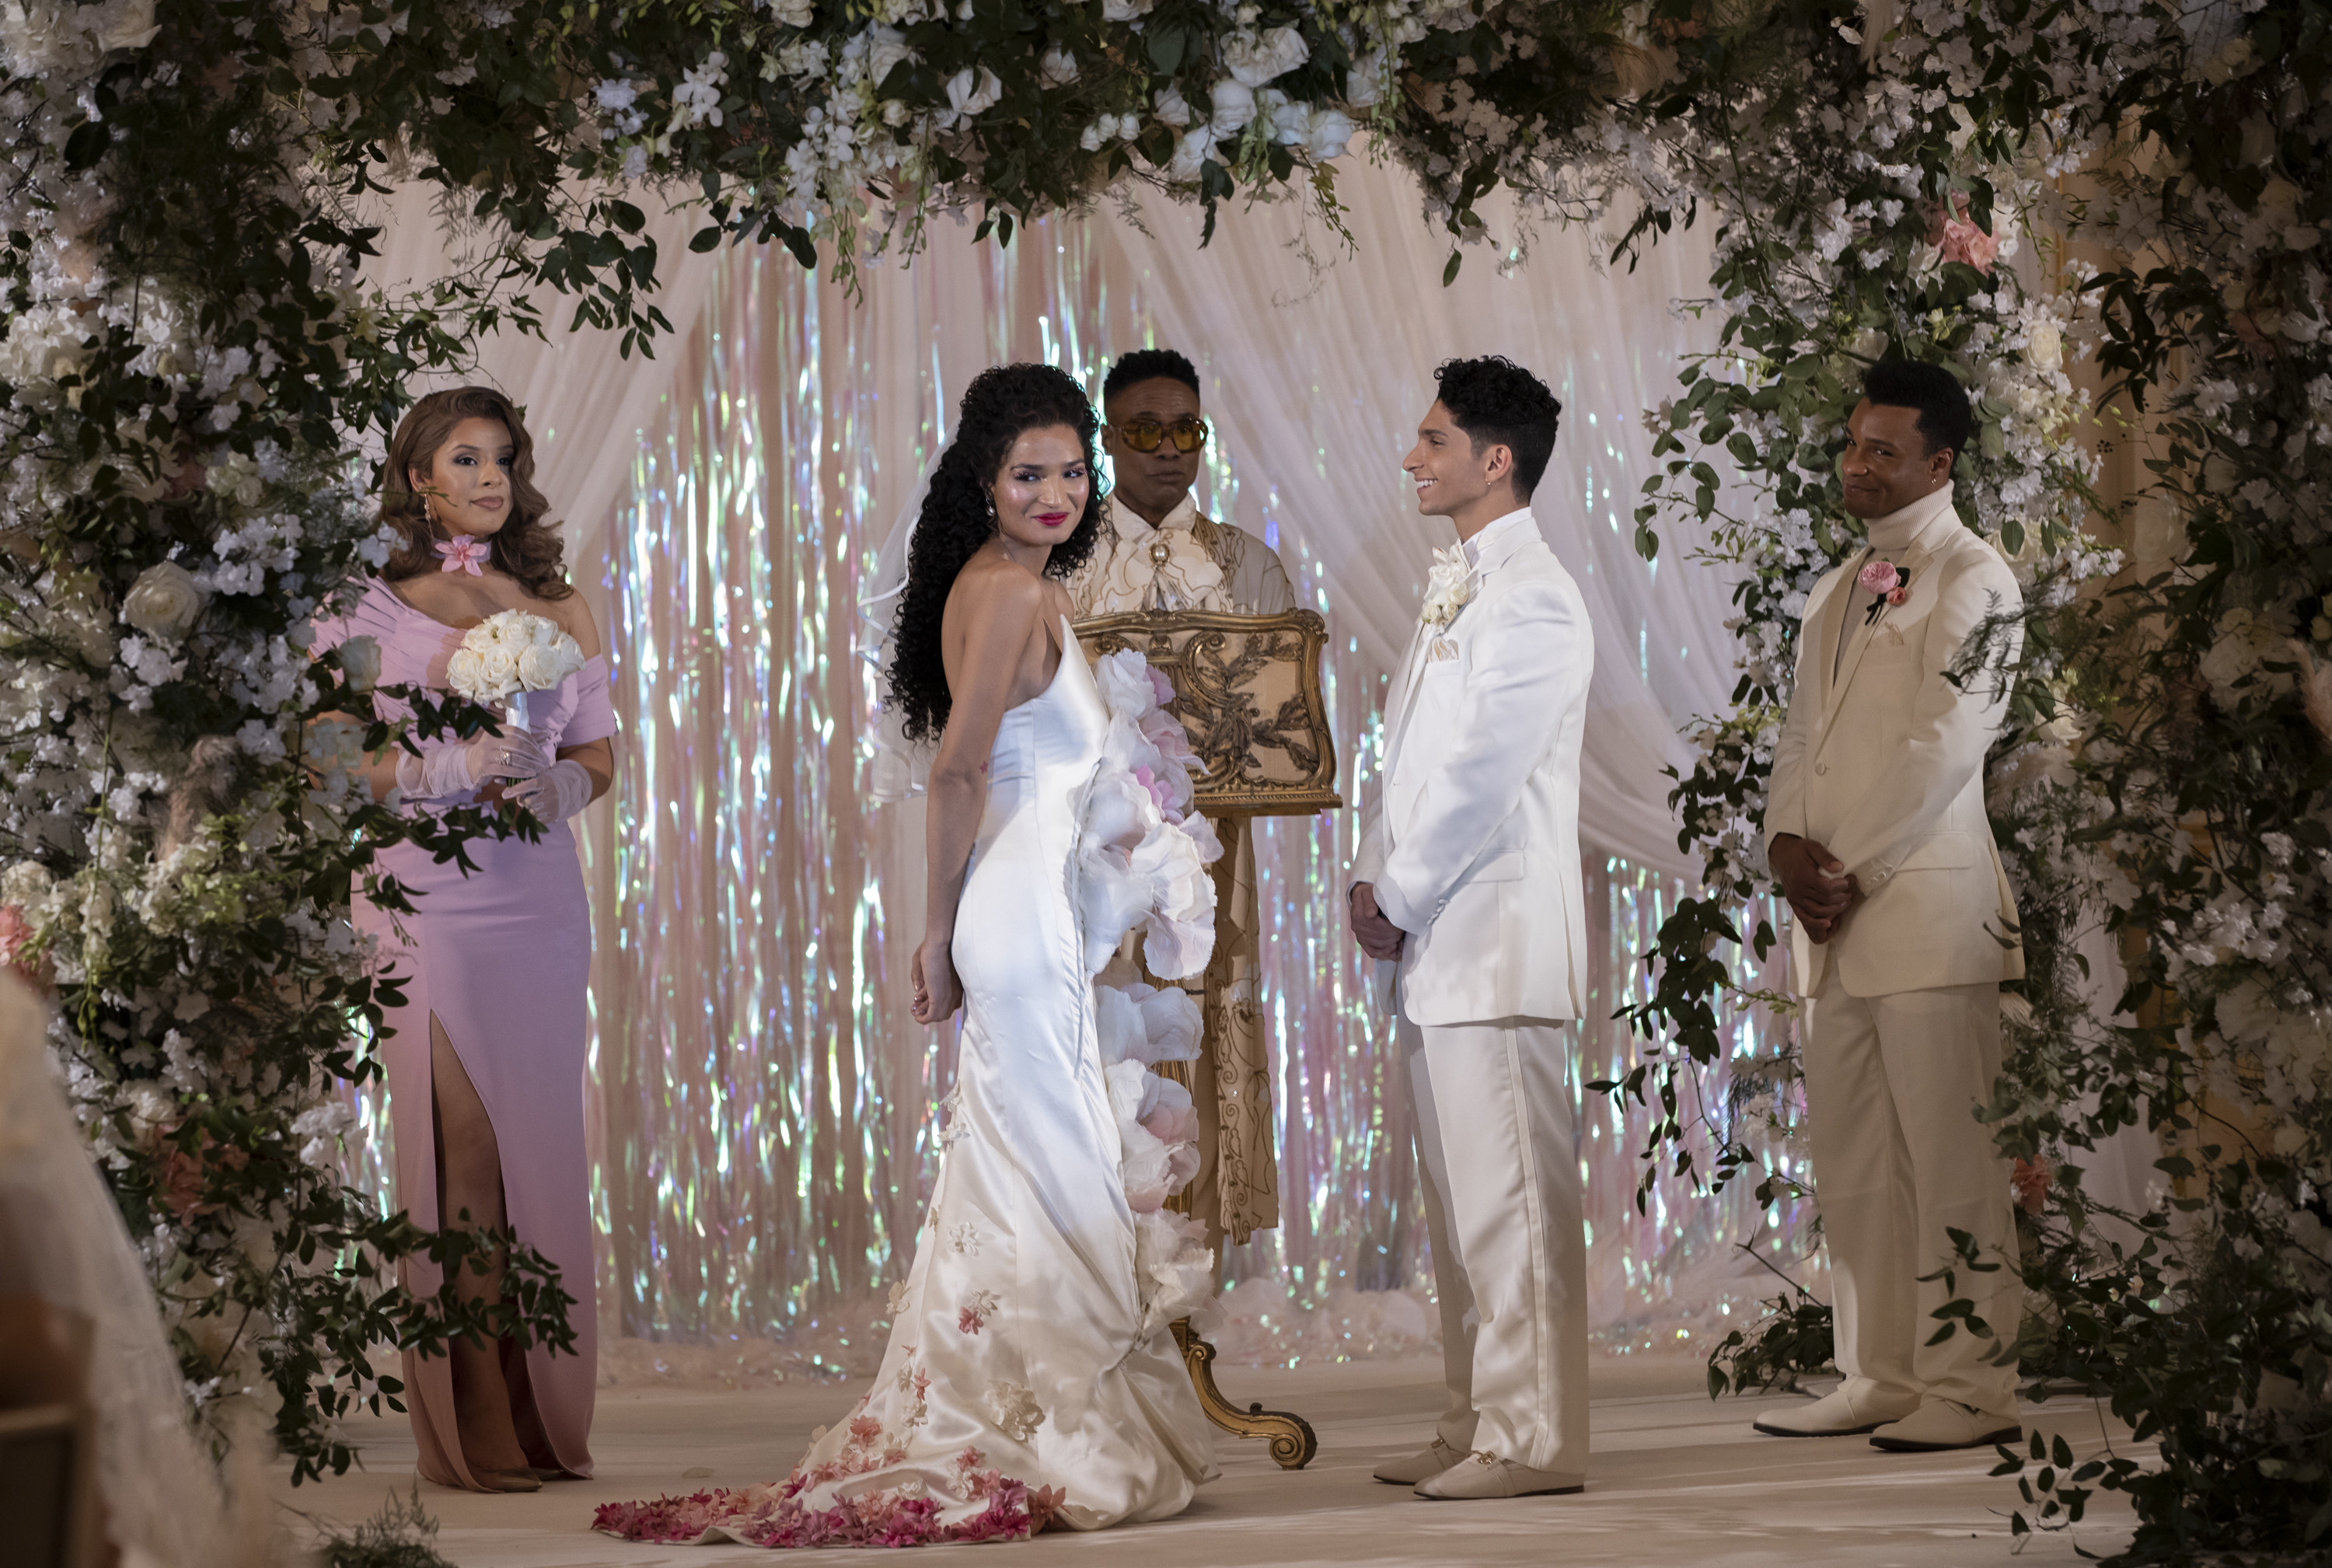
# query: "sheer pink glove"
x,y
555,794
442,771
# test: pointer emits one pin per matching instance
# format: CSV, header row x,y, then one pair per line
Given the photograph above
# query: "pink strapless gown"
x,y
503,957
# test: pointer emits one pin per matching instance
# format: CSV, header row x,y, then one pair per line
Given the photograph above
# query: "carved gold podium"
x,y
1247,690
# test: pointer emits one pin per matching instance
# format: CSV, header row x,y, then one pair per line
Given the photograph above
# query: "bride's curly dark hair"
x,y
1001,403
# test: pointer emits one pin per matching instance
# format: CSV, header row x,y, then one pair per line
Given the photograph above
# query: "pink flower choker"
x,y
463,552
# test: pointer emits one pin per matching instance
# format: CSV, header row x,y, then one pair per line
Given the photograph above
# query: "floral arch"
x,y
2109,216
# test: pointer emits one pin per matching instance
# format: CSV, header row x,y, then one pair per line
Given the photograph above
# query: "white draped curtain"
x,y
763,1098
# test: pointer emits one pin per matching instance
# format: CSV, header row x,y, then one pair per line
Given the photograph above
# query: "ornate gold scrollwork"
x,y
1247,690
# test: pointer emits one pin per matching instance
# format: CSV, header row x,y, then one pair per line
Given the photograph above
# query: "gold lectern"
x,y
1247,690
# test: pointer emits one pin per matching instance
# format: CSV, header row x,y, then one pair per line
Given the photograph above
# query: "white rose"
x,y
1254,58
973,92
539,668
360,661
1058,68
1172,108
2044,347
499,667
123,25
164,602
465,673
792,13
1364,82
1233,108
1125,10
1331,132
885,48
1190,152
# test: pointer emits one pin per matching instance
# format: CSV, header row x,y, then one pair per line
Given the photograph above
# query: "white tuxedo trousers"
x,y
1892,1087
1502,1206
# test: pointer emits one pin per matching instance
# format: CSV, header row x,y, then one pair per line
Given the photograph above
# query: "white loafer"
x,y
1941,1424
1837,1414
1481,1475
1419,1467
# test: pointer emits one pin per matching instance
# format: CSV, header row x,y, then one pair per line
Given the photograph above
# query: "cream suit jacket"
x,y
1472,840
1883,765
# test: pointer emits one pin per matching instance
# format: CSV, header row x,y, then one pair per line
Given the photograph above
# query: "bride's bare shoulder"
x,y
991,587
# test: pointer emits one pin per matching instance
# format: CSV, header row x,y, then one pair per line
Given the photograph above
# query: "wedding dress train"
x,y
1031,1377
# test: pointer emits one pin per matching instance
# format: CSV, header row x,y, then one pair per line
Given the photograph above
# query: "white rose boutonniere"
x,y
1448,588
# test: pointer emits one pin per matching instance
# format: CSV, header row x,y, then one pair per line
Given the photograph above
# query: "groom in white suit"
x,y
1468,880
1905,928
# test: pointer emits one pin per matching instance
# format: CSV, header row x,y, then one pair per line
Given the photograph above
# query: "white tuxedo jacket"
x,y
1472,839
1883,765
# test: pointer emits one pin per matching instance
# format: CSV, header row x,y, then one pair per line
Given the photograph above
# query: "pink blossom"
x,y
1173,1123
1159,685
970,1320
865,1428
1959,237
463,552
16,933
2029,1179
1165,731
1161,793
1879,577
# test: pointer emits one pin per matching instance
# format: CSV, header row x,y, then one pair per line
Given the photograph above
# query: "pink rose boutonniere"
x,y
1891,584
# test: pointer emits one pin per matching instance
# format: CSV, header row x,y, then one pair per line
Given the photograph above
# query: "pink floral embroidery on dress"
x,y
977,1312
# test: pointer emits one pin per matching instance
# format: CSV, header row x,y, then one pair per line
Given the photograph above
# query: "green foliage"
x,y
188,364
401,1535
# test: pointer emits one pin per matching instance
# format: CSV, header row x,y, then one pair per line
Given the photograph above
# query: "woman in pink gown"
x,y
486,1061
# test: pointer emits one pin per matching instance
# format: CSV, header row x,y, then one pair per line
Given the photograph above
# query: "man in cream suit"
x,y
1905,928
1469,881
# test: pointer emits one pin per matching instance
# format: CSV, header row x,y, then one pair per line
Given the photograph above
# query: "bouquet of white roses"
x,y
508,654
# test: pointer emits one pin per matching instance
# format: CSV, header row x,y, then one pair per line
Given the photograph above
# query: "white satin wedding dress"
x,y
1031,1377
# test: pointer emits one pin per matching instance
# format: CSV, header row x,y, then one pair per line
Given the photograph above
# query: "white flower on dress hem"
x,y
1014,1406
964,1237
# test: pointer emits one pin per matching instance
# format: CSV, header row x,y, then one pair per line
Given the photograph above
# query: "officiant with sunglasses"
x,y
1157,552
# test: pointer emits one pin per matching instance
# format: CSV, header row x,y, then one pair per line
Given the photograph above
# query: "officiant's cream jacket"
x,y
1883,762
1472,840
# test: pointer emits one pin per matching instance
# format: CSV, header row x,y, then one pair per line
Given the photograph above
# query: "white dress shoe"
x,y
1942,1424
1837,1414
1480,1475
1420,1467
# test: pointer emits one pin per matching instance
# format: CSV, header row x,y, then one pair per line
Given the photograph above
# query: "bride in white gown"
x,y
1031,1377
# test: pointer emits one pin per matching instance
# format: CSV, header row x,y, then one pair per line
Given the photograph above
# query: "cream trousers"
x,y
1500,1163
1892,1087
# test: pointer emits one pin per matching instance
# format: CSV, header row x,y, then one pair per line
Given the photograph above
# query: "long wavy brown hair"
x,y
527,548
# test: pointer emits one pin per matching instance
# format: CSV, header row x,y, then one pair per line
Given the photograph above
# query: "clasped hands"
x,y
1815,882
1378,936
511,766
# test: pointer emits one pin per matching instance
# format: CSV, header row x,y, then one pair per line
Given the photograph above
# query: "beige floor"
x,y
1676,1479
